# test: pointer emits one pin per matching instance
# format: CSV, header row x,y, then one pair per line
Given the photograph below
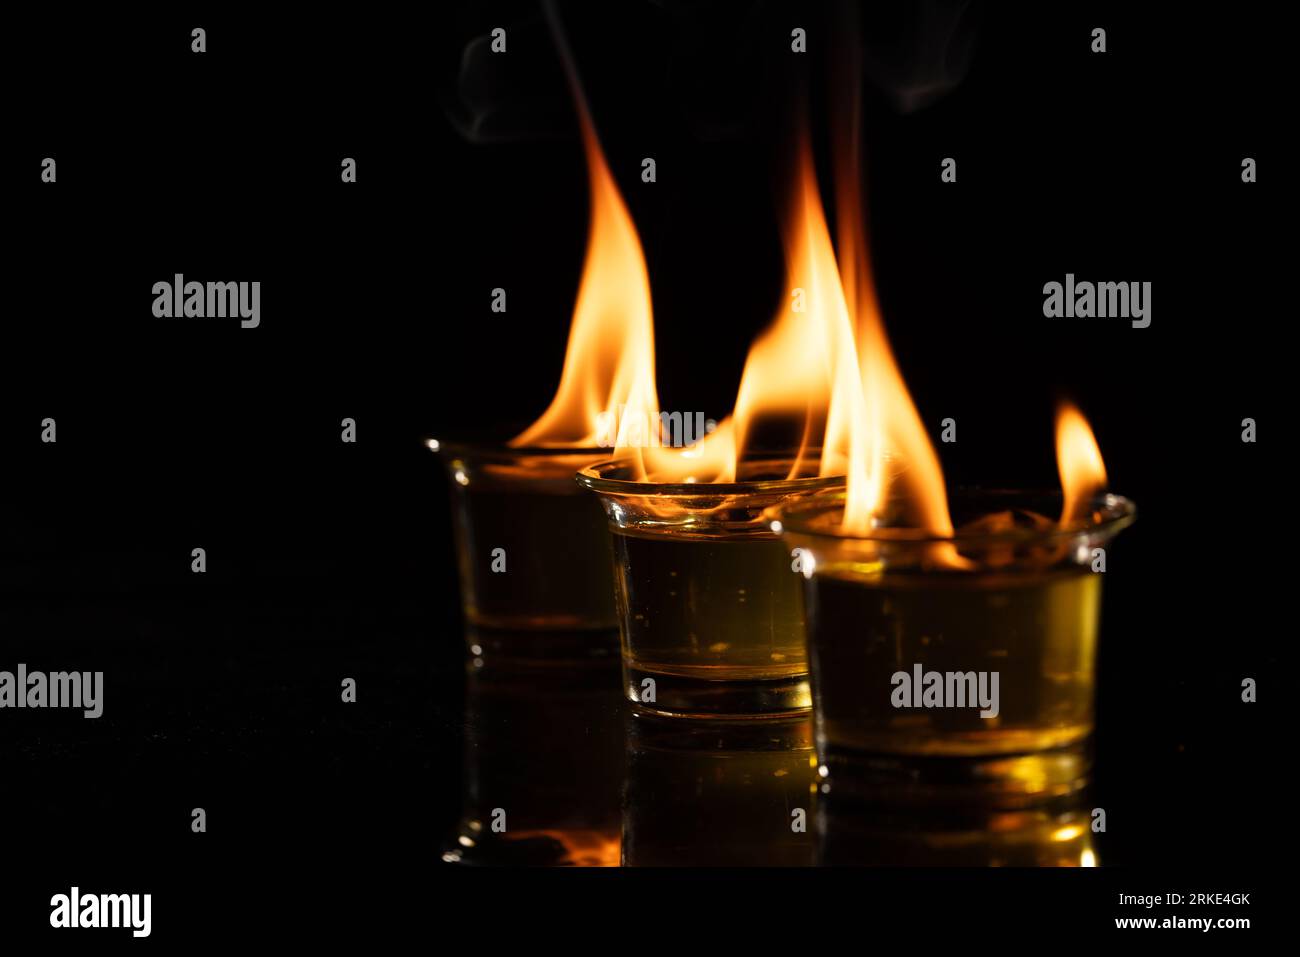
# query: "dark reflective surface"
x,y
702,793
543,756
1051,834
560,771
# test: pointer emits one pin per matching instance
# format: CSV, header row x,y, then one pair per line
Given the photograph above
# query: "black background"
x,y
328,560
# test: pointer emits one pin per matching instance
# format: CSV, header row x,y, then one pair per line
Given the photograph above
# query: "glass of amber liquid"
x,y
954,668
710,616
532,551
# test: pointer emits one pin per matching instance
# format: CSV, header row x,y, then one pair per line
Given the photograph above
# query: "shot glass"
x,y
531,548
954,669
710,616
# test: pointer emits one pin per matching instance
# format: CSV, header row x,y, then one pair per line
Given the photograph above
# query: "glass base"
x,y
1053,833
995,780
527,622
739,699
540,648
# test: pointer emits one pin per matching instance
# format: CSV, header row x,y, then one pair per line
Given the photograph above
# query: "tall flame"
x,y
1083,474
792,366
894,473
609,364
825,363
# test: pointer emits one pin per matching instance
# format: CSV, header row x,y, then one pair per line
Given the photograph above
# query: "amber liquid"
x,y
556,552
1038,632
717,623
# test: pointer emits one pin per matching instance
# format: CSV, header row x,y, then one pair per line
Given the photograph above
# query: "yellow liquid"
x,y
717,624
1038,632
553,569
710,608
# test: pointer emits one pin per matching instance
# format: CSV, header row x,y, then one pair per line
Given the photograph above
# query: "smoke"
x,y
916,53
724,58
724,65
512,97
712,68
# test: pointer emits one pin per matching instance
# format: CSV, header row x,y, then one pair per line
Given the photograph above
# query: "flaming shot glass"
x,y
954,669
710,615
531,548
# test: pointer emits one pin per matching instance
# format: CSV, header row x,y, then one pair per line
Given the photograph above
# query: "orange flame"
x,y
787,379
794,367
894,473
608,382
825,364
712,459
1083,474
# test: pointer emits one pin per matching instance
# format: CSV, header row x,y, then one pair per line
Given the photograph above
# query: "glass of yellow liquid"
x,y
710,617
960,668
531,550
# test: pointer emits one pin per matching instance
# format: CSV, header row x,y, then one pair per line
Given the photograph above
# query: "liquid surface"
x,y
557,569
710,608
1038,633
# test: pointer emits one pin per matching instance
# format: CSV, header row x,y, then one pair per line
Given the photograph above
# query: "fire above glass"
x,y
710,615
956,667
515,505
531,547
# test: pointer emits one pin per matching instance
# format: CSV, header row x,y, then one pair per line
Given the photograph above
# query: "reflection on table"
x,y
1054,833
543,756
707,793
560,771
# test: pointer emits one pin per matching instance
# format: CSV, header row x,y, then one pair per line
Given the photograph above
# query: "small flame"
x,y
1083,474
712,459
609,364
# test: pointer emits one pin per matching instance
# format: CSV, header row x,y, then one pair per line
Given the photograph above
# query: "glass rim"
x,y
439,447
591,477
1110,514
